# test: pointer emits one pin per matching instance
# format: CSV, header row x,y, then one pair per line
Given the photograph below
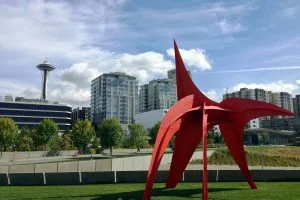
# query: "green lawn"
x,y
217,191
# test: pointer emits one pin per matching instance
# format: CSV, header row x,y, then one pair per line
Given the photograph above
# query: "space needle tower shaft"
x,y
45,67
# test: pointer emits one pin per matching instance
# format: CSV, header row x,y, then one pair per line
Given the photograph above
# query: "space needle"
x,y
45,67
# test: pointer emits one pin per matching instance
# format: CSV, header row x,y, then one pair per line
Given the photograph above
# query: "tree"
x,y
24,140
54,144
8,133
66,142
82,134
44,132
153,132
213,137
110,133
96,145
138,136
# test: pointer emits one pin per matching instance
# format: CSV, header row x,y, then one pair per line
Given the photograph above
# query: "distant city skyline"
x,y
226,45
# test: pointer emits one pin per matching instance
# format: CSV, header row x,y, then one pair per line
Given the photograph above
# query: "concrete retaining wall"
x,y
276,175
22,168
142,162
103,165
131,176
68,166
4,169
137,163
27,155
72,178
68,178
196,176
3,179
26,179
87,166
72,166
46,167
231,176
97,177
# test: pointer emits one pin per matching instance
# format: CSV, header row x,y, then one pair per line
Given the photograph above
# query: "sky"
x,y
226,45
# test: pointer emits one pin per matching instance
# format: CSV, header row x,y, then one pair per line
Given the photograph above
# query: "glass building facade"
x,y
31,114
83,113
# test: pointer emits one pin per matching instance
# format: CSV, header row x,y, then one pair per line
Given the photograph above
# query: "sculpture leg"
x,y
157,157
190,135
233,138
204,142
187,140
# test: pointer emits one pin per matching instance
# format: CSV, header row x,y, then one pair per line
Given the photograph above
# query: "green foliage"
x,y
8,133
44,132
82,134
153,133
96,145
213,137
54,143
66,142
110,133
254,158
24,140
91,151
138,136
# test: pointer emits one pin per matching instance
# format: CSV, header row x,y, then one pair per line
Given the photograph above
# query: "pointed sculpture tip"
x,y
175,44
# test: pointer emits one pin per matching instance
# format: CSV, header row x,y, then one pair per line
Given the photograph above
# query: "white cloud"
x,y
298,81
260,69
193,58
206,16
145,66
289,12
79,74
278,86
72,84
213,95
52,29
228,27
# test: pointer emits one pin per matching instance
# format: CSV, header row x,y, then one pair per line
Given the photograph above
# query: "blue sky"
x,y
226,44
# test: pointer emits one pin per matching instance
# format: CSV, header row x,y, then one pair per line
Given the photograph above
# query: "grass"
x,y
217,191
285,151
270,156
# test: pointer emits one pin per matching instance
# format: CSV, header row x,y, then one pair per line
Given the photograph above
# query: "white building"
x,y
150,118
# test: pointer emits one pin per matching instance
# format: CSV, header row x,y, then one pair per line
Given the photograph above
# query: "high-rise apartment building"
x,y
143,98
281,99
172,74
114,95
158,94
255,94
296,105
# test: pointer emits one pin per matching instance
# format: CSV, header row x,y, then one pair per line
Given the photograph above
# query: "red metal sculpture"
x,y
190,119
